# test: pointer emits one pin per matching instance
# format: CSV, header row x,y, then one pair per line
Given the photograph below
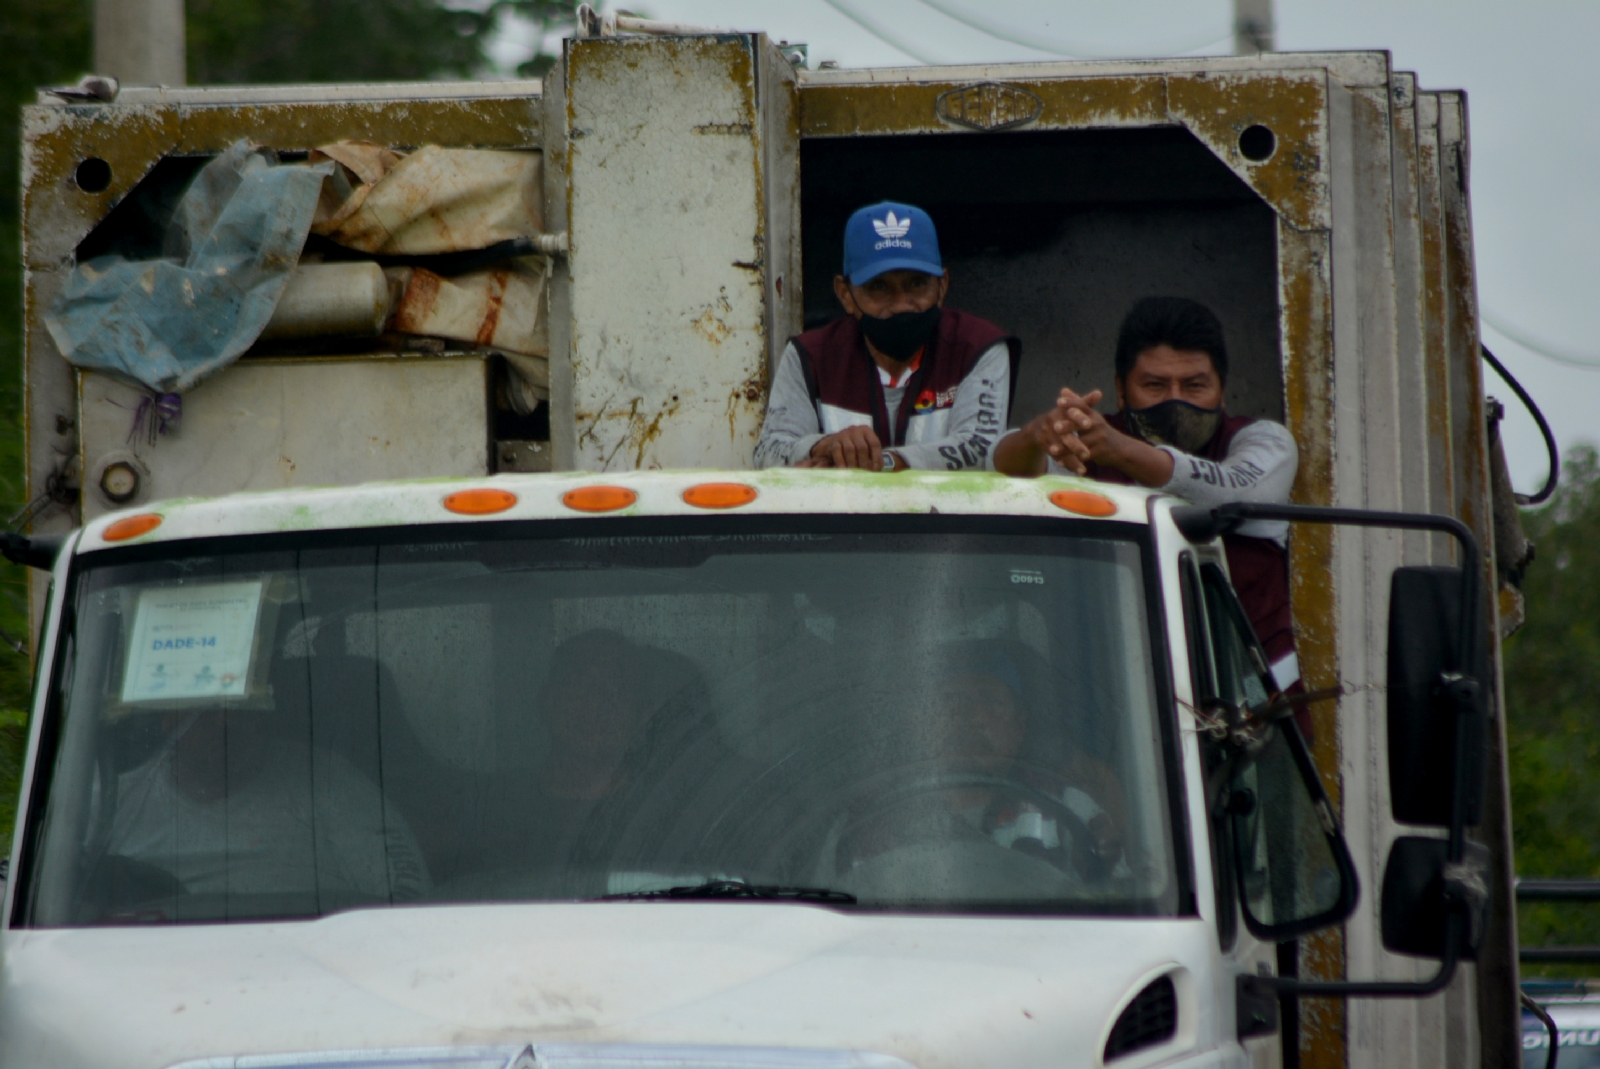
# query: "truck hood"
x,y
938,992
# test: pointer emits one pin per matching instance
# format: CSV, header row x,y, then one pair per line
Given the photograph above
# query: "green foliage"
x,y
1552,680
263,41
47,43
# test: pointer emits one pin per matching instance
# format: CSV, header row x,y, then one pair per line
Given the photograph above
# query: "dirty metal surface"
x,y
57,215
145,125
1351,69
273,424
1216,107
1497,968
668,252
1435,311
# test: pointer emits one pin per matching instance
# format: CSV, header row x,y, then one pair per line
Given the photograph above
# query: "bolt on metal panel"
x,y
670,262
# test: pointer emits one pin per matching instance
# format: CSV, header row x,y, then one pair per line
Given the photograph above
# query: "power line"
x,y
878,30
1535,345
1000,31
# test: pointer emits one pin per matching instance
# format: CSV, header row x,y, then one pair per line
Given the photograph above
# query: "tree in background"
x,y
49,42
1552,679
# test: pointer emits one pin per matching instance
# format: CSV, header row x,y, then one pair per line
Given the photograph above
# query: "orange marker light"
x,y
132,527
599,498
1083,503
719,495
480,502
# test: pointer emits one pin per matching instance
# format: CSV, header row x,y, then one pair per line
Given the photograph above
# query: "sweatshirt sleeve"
x,y
977,418
790,428
1260,467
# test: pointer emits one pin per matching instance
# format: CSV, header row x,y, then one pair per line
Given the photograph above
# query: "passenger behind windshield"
x,y
233,815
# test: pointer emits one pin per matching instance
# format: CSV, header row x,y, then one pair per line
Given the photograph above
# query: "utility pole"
x,y
1252,27
139,42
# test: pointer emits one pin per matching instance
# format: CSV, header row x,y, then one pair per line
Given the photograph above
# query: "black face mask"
x,y
1176,423
900,336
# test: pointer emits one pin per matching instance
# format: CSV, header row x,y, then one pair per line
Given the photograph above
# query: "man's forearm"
x,y
1018,454
1140,461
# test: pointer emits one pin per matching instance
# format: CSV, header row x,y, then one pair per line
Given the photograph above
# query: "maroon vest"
x,y
1259,569
840,372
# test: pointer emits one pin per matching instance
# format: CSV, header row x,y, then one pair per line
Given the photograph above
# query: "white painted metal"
x,y
668,253
270,424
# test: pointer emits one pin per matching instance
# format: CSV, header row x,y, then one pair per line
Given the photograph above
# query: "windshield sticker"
x,y
192,642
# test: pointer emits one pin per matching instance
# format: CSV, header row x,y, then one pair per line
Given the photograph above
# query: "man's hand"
x,y
1054,434
853,447
1102,443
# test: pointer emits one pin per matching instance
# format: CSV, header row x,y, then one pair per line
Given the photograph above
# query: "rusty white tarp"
x,y
500,309
231,246
433,200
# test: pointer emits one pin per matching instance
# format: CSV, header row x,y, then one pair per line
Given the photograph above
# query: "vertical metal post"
x,y
139,42
1253,28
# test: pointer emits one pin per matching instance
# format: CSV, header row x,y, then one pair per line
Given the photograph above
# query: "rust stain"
x,y
710,324
901,108
133,138
494,300
1435,313
1218,108
1306,322
416,303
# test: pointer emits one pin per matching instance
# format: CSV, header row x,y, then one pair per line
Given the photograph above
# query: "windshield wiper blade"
x,y
739,889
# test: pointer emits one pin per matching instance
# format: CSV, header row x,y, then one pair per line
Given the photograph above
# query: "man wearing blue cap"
x,y
899,381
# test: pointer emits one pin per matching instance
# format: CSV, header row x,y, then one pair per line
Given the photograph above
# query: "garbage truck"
x,y
424,677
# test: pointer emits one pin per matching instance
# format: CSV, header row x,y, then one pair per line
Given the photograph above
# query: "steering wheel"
x,y
893,789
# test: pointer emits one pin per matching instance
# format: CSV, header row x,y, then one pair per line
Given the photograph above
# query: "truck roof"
x,y
570,495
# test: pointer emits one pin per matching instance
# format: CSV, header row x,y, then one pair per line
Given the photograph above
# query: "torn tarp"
x,y
231,247
434,200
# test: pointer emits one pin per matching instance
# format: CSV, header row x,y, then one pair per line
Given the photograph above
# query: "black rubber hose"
x,y
1544,429
1549,1026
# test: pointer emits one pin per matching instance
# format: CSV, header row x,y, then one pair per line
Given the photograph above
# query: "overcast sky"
x,y
1528,68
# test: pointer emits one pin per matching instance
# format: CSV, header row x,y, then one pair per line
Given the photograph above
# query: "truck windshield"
x,y
947,714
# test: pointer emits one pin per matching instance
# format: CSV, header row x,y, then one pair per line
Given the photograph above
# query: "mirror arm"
x,y
1200,524
1373,988
1464,891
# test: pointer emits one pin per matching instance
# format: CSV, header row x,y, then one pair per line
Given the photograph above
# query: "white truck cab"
x,y
670,768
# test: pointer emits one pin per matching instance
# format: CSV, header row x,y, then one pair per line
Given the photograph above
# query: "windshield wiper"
x,y
739,889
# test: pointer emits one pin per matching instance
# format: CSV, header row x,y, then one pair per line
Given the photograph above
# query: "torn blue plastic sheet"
x,y
232,244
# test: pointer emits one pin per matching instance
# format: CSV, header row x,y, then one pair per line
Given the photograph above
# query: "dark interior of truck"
x,y
1054,235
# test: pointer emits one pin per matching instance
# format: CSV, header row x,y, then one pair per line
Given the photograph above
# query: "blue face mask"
x,y
1187,428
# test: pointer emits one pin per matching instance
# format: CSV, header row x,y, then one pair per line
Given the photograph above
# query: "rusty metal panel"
x,y
1497,970
779,137
132,135
1220,108
1435,314
1216,107
1350,69
668,262
272,424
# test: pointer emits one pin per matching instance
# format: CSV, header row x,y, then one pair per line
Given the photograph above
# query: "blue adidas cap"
x,y
889,237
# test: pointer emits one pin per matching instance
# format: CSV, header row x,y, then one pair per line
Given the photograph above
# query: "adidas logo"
x,y
890,227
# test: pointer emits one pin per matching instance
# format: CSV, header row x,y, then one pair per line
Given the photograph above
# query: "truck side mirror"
x,y
1429,679
1419,886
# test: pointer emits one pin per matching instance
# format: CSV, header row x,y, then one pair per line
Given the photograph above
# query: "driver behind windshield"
x,y
993,768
